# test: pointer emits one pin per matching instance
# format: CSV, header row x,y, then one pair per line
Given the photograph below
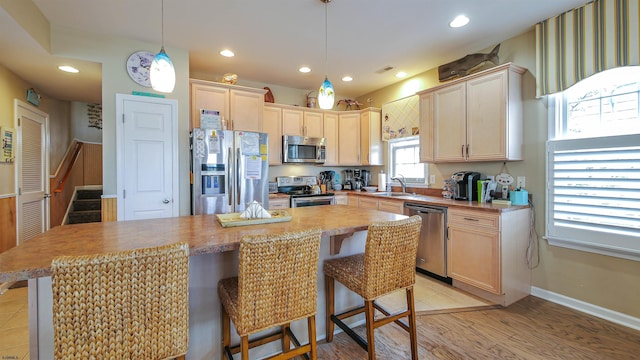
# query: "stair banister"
x,y
67,173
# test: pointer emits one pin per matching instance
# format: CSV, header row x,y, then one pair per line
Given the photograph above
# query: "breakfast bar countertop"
x,y
203,233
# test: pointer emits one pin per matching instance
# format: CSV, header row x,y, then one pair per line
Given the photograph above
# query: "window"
x,y
404,159
593,165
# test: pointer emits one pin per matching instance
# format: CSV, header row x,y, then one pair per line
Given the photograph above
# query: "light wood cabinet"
x,y
331,138
370,137
352,200
272,125
341,199
241,107
392,206
476,118
349,139
302,123
278,203
486,253
426,127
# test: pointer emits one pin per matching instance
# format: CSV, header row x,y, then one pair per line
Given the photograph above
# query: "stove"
x,y
299,190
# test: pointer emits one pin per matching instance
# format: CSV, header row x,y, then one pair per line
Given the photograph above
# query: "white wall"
x,y
80,129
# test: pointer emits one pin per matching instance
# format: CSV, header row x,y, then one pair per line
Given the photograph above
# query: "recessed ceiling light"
x,y
459,21
304,69
347,78
401,74
69,69
227,53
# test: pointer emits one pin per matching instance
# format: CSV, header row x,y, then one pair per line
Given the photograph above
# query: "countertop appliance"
x,y
432,249
299,189
303,149
229,170
465,185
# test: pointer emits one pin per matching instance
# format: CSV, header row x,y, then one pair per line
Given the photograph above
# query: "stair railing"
x,y
67,173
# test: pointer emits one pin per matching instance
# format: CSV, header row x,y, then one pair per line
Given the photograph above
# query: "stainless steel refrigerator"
x,y
229,169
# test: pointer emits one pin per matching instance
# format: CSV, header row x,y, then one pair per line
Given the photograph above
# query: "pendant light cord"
x,y
162,23
326,41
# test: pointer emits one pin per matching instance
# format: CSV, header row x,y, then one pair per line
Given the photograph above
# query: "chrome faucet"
x,y
402,181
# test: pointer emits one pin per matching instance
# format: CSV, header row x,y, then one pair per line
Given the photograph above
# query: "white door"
x,y
33,169
147,157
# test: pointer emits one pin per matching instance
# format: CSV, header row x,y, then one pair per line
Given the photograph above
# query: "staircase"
x,y
86,207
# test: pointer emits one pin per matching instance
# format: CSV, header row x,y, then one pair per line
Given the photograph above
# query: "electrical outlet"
x,y
432,179
520,181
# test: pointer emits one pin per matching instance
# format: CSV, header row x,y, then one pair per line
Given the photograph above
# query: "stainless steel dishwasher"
x,y
432,249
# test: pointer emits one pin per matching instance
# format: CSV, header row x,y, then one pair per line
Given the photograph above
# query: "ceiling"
x,y
272,39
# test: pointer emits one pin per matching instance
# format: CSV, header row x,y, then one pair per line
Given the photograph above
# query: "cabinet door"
x,y
331,139
313,124
370,138
449,118
342,200
292,122
487,117
473,250
272,125
278,204
392,206
210,98
246,110
365,202
349,139
426,127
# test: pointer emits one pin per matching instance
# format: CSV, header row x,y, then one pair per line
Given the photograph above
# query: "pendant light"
x,y
326,95
162,75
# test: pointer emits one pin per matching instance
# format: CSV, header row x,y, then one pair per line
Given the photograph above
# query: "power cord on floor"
x,y
533,249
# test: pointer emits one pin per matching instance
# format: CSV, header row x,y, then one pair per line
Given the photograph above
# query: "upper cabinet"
x,y
476,118
370,137
331,138
241,107
302,122
349,138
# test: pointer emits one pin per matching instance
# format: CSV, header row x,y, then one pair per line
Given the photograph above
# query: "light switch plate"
x,y
432,179
520,182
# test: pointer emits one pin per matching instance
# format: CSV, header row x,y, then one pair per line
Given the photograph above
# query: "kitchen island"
x,y
213,251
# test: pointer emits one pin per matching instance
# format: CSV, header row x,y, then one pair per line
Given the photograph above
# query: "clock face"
x,y
138,65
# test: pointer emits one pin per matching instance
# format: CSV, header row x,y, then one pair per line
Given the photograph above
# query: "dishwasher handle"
x,y
425,209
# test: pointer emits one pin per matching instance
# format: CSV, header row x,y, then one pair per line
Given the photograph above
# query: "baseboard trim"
x,y
585,307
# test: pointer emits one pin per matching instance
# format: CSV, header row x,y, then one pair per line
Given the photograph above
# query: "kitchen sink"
x,y
394,194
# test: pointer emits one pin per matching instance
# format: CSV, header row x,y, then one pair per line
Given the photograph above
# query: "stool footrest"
x,y
347,330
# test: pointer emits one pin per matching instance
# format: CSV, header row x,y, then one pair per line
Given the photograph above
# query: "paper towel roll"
x,y
382,182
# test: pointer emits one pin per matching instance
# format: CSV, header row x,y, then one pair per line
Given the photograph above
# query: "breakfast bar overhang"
x,y
213,256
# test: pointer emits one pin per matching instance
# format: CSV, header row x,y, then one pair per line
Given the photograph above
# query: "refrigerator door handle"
x,y
229,180
238,180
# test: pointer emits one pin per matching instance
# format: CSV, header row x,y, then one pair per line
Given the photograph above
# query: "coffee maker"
x,y
365,177
465,185
348,180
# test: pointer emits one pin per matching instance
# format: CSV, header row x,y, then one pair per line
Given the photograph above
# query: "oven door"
x,y
312,201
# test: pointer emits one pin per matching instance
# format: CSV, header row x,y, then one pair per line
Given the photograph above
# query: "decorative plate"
x,y
138,65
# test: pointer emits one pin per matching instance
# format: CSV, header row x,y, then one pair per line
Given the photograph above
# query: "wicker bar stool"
x,y
276,285
124,305
388,264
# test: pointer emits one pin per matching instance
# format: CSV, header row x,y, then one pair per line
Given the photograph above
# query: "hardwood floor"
x,y
529,329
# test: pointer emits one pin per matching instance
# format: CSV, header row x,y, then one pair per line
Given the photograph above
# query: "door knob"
x,y
166,201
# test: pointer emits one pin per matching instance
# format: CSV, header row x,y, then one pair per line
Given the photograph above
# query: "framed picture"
x,y
7,135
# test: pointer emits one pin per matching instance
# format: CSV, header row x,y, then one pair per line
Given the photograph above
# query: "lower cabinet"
x,y
486,253
278,203
342,199
392,206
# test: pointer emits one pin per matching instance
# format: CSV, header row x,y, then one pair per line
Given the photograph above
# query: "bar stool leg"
x,y
329,297
311,325
286,339
226,330
244,347
369,312
412,323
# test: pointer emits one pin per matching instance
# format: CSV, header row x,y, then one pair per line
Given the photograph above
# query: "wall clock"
x,y
138,65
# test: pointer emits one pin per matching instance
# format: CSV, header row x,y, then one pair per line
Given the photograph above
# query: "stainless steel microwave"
x,y
302,149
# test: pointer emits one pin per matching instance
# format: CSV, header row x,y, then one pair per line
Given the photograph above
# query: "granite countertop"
x,y
435,200
204,234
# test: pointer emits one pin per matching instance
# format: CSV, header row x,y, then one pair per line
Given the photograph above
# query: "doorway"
x,y
147,157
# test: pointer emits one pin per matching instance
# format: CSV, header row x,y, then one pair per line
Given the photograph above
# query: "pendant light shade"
x,y
326,95
162,75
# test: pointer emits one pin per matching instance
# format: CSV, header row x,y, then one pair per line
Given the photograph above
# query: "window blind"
x,y
593,194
